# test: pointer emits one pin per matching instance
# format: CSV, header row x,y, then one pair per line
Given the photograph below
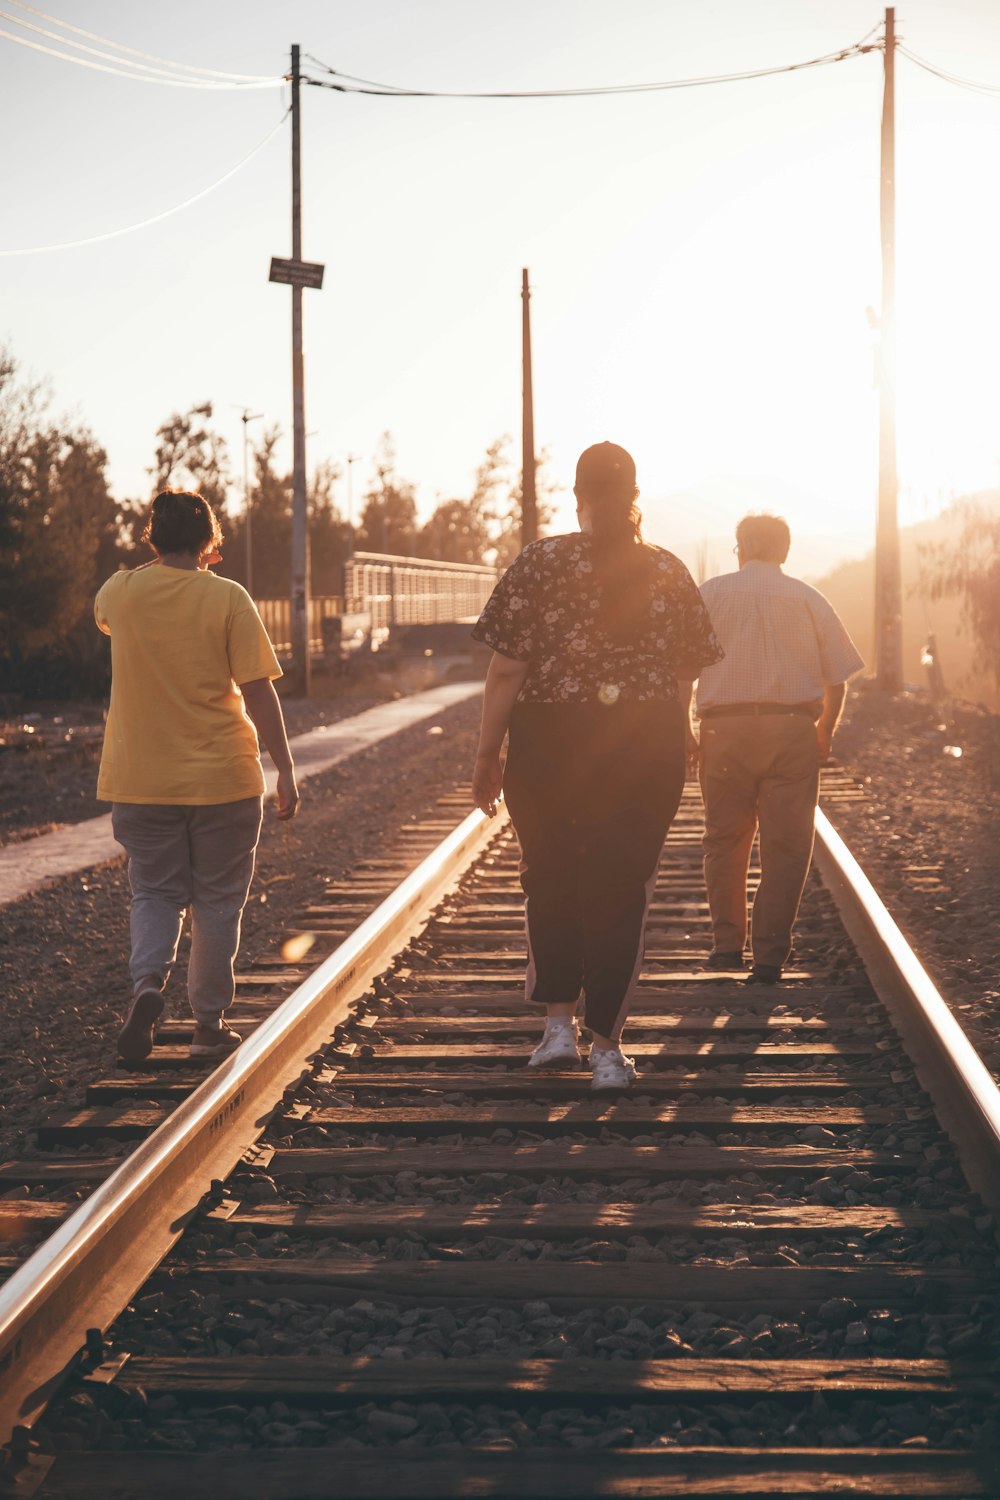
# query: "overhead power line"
x,y
146,71
128,70
347,83
992,89
113,234
94,36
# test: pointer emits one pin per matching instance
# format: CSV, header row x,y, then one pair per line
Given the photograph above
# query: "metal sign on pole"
x,y
297,272
888,584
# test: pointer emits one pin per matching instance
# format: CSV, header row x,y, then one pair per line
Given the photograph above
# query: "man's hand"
x,y
288,796
487,779
826,724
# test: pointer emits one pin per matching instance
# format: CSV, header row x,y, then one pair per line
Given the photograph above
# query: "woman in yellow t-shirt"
x,y
191,690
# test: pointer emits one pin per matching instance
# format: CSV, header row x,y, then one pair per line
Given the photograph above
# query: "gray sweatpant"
x,y
197,857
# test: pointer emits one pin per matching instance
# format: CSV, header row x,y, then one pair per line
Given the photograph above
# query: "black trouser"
x,y
592,791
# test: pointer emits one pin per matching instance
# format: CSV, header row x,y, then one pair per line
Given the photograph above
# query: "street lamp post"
x,y
246,419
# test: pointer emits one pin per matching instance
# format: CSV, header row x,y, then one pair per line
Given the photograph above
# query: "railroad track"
x,y
371,1256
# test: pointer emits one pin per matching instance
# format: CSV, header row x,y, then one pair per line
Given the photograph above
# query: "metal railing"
x,y
393,591
86,1272
277,617
965,1096
416,590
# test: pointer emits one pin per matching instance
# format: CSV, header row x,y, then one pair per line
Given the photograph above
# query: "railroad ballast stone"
x,y
64,956
737,1422
213,1319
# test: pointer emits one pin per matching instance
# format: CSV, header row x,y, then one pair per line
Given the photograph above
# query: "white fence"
x,y
393,591
416,590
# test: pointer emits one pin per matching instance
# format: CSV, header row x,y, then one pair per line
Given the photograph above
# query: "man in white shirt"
x,y
768,714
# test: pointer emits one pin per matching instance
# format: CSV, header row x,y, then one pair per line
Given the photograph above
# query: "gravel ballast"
x,y
64,950
230,1291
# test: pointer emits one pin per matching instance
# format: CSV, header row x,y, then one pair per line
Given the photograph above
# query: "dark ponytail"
x,y
623,565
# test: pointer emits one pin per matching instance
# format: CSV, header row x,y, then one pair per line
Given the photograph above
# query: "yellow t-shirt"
x,y
178,732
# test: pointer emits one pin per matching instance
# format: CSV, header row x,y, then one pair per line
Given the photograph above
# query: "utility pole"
x,y
300,519
888,583
529,505
246,419
352,459
298,273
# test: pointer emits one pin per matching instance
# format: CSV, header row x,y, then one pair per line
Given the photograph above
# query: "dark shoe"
x,y
763,974
136,1038
720,960
214,1043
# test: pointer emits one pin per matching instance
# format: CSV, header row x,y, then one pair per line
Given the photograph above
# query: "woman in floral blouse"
x,y
597,637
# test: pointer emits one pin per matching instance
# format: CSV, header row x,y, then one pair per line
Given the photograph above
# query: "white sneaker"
x,y
610,1069
557,1049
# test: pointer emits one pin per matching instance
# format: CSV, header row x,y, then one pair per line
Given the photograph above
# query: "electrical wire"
x,y
992,89
354,85
113,234
94,36
131,72
138,70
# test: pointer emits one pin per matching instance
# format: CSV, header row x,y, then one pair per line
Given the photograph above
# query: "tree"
x,y
389,517
191,456
271,519
329,533
486,528
61,535
500,499
456,532
970,568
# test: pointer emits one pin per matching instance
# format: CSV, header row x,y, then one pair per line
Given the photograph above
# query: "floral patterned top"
x,y
546,611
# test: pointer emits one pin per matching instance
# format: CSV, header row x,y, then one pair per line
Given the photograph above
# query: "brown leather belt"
x,y
754,710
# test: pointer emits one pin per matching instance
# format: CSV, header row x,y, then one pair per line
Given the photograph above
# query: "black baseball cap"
x,y
605,466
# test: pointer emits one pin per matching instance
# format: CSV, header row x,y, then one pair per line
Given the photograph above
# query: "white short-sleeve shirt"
x,y
784,642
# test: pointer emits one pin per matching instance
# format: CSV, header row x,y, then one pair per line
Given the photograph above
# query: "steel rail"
x,y
965,1095
86,1272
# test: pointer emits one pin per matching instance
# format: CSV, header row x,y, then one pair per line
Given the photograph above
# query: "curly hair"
x,y
180,521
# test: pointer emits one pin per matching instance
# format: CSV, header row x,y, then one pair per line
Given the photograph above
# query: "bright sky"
x,y
700,260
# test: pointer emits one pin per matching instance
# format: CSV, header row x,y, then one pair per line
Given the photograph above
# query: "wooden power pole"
x,y
300,519
529,505
298,274
888,584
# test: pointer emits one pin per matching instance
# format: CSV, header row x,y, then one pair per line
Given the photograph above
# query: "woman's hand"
x,y
288,796
692,756
487,780
503,683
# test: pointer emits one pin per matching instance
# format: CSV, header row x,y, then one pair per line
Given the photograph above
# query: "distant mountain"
x,y
851,590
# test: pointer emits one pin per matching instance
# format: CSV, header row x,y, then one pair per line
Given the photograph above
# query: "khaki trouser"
x,y
197,857
758,771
